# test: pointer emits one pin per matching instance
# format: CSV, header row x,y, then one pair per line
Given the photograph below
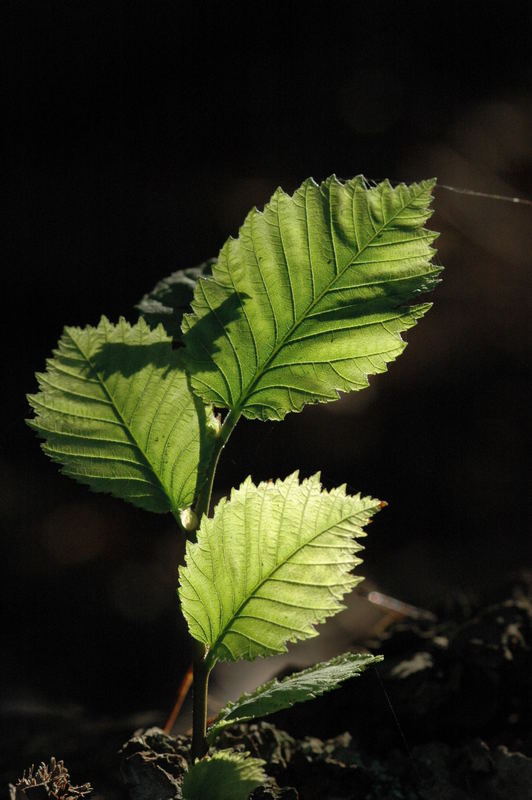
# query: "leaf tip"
x,y
309,182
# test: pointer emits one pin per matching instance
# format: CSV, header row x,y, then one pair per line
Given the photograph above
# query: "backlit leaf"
x,y
312,297
115,408
226,775
273,561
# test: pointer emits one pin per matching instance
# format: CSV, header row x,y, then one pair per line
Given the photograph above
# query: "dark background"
x,y
139,135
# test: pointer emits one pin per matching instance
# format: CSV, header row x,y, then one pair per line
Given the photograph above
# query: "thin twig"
x,y
186,683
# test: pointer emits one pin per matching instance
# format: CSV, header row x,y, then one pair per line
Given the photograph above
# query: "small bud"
x,y
188,519
214,421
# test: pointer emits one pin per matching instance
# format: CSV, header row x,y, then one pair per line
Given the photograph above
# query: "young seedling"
x,y
308,301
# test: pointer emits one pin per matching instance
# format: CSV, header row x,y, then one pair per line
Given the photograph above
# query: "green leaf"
x,y
312,297
226,775
171,297
272,562
297,688
115,408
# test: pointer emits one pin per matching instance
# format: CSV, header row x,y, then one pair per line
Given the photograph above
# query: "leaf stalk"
x,y
204,497
199,703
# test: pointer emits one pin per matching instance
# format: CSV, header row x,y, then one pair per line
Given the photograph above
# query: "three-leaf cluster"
x,y
308,301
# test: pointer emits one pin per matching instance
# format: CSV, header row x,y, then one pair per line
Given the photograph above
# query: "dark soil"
x,y
446,716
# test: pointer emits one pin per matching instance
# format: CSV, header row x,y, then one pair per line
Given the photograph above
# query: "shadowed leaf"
x,y
297,688
171,297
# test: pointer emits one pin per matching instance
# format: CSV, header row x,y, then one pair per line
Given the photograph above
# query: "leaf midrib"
x,y
251,386
127,429
269,576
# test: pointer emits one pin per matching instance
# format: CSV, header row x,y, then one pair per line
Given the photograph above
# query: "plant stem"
x,y
199,704
204,498
202,669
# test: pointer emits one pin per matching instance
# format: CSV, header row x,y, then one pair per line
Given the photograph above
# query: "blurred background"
x,y
139,134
